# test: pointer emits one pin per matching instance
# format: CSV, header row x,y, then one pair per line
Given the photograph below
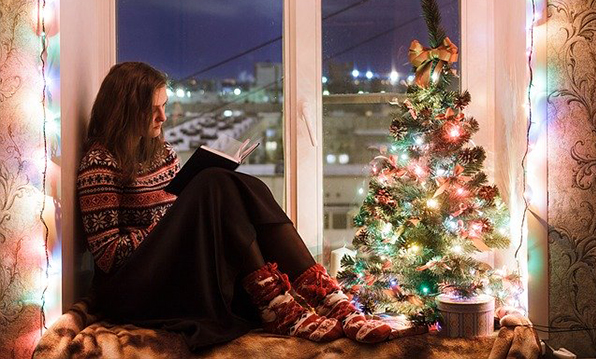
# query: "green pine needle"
x,y
432,16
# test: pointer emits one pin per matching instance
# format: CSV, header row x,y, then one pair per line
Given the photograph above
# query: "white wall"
x,y
87,52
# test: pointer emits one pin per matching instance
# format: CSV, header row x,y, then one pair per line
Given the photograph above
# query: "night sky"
x,y
183,37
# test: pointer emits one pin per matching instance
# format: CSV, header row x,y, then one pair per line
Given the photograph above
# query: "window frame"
x,y
89,54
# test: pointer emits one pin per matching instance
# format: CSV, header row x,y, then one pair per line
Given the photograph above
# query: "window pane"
x,y
224,62
365,65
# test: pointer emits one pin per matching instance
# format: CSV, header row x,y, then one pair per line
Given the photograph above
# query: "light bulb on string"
x,y
387,228
418,171
528,194
432,203
457,249
454,132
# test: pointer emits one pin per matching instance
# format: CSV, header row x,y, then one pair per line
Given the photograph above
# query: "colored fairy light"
x,y
418,170
441,172
454,132
404,156
414,248
419,140
52,126
432,203
425,290
460,191
457,249
435,77
528,194
411,78
387,228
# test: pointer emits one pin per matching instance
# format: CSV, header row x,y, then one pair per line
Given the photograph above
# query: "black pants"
x,y
186,274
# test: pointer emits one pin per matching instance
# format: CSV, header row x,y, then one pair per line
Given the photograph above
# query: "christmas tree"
x,y
429,205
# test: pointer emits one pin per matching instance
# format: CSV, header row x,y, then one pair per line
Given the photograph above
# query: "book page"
x,y
228,145
231,148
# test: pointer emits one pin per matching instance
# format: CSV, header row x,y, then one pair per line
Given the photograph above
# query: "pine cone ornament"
x,y
487,226
462,100
361,236
384,198
488,193
471,155
398,130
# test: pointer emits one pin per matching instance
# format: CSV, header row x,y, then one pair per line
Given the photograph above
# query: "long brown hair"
x,y
122,113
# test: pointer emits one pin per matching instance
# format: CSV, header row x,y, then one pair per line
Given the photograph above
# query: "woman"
x,y
195,264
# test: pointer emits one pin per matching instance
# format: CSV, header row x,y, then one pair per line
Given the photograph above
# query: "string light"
x,y
454,132
387,228
432,203
418,171
457,249
528,129
42,12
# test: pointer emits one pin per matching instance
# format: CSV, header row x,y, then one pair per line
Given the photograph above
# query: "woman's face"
x,y
158,117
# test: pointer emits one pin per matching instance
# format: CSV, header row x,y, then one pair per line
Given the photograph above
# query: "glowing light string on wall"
x,y
41,18
529,128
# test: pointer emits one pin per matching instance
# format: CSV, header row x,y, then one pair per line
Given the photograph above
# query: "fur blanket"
x,y
77,334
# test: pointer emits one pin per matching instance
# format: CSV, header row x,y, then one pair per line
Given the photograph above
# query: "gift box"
x,y
466,317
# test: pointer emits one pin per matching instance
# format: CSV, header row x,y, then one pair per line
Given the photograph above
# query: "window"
x,y
365,66
224,63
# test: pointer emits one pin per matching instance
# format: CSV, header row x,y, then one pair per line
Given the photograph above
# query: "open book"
x,y
231,154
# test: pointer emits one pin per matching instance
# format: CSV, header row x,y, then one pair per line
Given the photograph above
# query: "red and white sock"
x,y
281,314
324,293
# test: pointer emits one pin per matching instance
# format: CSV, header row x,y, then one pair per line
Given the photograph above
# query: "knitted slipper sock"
x,y
281,314
324,293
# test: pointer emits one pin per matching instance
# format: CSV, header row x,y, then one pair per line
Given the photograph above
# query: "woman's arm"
x,y
100,198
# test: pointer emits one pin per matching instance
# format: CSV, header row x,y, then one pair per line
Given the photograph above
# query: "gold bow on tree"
x,y
422,58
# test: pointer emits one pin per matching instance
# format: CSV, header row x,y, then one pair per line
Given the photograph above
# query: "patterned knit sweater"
x,y
117,218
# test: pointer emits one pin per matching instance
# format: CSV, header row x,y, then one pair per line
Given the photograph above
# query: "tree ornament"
x,y
398,130
488,194
429,63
